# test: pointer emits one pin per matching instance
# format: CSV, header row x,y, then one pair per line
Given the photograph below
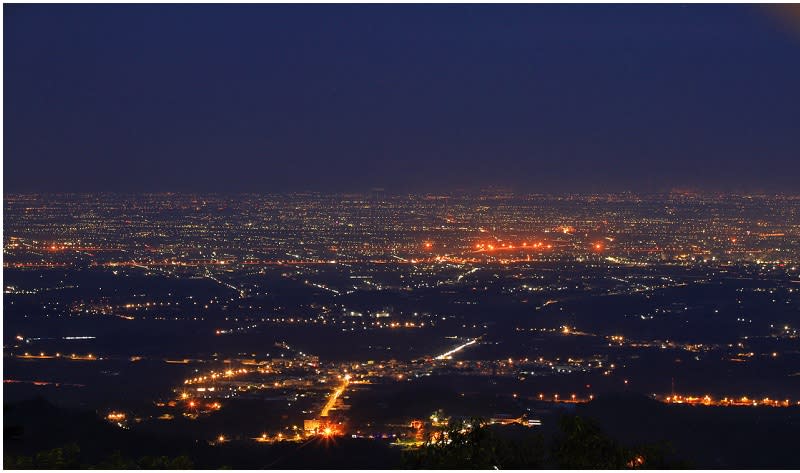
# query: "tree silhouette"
x,y
472,445
580,444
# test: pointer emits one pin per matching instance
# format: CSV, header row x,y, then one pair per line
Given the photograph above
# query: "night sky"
x,y
266,98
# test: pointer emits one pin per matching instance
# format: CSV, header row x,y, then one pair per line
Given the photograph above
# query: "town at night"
x,y
261,319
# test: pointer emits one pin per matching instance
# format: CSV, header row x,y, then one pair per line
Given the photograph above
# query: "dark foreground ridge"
x,y
612,432
38,434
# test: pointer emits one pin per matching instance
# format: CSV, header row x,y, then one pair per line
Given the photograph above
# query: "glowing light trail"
x,y
457,349
334,396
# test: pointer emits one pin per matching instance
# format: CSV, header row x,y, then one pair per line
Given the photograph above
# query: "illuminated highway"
x,y
334,396
448,354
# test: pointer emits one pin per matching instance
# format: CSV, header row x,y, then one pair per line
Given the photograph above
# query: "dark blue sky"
x,y
408,97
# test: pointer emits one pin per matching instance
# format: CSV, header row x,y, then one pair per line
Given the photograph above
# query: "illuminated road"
x,y
334,396
727,401
457,349
210,276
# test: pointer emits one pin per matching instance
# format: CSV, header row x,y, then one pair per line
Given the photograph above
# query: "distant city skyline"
x,y
412,98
